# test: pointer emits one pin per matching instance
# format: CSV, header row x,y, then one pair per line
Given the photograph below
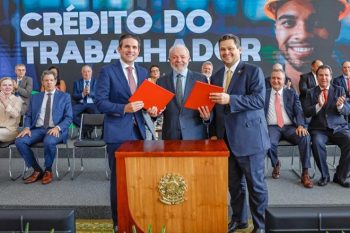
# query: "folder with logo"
x,y
199,95
152,95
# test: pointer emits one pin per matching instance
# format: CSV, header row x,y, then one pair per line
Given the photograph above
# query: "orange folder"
x,y
199,95
152,95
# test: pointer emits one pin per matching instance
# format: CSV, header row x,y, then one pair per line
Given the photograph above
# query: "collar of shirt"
x,y
280,92
327,88
52,92
125,66
232,68
183,73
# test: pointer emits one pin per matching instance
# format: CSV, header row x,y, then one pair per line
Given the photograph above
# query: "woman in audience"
x,y
60,85
10,109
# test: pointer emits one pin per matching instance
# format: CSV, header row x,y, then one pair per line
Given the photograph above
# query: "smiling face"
x,y
6,87
179,58
277,80
129,50
346,68
207,70
229,53
324,77
305,31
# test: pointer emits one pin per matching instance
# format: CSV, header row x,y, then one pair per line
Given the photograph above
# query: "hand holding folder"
x,y
199,95
152,95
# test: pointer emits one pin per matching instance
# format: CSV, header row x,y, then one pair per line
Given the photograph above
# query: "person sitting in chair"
x,y
48,118
285,118
10,110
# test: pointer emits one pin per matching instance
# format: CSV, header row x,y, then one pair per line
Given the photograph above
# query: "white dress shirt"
x,y
40,121
271,113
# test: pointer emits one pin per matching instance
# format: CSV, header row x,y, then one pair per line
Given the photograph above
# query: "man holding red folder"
x,y
123,119
179,122
238,117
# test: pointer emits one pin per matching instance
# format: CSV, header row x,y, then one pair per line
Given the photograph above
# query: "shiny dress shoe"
x,y
340,182
323,181
276,170
34,177
47,178
306,181
232,226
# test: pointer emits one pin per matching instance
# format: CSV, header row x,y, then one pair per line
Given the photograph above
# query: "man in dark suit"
x,y
308,80
343,79
326,105
23,87
180,122
239,118
48,118
84,95
123,119
285,119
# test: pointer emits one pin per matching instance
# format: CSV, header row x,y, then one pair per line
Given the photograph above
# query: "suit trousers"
x,y
80,108
38,135
342,139
287,132
111,149
252,169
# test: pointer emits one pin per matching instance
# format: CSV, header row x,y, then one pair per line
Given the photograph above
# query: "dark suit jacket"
x,y
244,118
340,81
177,119
328,116
62,114
79,87
307,81
24,91
292,106
112,94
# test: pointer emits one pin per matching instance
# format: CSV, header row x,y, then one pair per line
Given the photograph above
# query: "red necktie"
x,y
278,110
325,95
131,80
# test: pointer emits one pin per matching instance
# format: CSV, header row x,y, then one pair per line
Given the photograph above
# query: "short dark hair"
x,y
127,36
152,66
229,36
324,67
47,72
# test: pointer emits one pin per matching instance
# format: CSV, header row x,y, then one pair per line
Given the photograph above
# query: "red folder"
x,y
152,95
199,95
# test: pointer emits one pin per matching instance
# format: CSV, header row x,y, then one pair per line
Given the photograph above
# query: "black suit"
x,y
329,124
307,81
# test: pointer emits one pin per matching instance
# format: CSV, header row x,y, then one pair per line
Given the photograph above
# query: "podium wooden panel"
x,y
202,164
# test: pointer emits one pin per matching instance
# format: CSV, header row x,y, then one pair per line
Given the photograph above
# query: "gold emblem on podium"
x,y
172,188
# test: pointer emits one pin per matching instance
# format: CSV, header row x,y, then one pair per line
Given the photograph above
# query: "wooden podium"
x,y
179,184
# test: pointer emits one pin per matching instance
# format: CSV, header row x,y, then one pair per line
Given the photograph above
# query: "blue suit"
x,y
295,113
180,122
112,94
329,124
340,81
80,106
243,125
61,117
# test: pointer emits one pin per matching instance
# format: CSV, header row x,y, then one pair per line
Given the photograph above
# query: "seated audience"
x,y
61,84
10,108
84,96
154,73
287,81
308,80
48,118
343,79
23,86
207,69
326,106
285,119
